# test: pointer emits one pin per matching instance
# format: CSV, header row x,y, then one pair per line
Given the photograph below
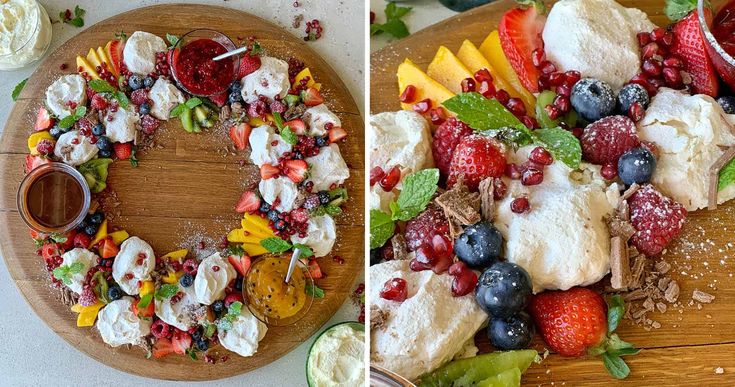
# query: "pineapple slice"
x,y
426,87
447,69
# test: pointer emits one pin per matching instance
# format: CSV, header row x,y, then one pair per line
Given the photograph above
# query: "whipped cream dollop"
x,y
213,276
320,235
118,325
123,125
25,33
400,139
317,116
281,188
689,131
596,38
380,199
65,92
133,264
267,146
244,335
427,329
270,80
563,241
86,258
328,168
140,51
164,97
74,149
180,313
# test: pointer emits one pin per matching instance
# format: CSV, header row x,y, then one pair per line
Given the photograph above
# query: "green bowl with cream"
x,y
336,358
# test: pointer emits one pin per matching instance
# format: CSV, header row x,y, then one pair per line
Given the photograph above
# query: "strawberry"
x,y
476,158
43,120
115,51
240,135
82,240
50,250
520,34
296,170
248,65
297,126
336,133
690,46
249,202
312,97
233,297
240,263
180,341
446,138
219,99
69,242
32,162
268,171
108,248
162,348
146,312
604,141
123,151
574,322
657,220
314,269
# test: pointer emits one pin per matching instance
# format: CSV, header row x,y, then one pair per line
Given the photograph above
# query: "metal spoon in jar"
x,y
230,53
292,264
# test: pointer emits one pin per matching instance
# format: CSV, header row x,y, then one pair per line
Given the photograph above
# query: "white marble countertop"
x,y
31,354
423,14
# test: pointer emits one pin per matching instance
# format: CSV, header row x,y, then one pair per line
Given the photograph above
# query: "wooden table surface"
x,y
181,193
692,343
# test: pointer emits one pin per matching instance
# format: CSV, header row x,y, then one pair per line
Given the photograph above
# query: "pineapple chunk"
x,y
446,69
86,67
409,74
493,52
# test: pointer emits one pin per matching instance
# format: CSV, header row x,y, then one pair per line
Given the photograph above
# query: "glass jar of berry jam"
x,y
192,65
719,33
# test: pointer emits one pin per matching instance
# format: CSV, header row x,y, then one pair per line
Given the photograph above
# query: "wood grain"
x,y
189,186
691,343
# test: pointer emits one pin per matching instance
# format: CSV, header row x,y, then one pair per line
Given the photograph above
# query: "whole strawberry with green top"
x,y
575,322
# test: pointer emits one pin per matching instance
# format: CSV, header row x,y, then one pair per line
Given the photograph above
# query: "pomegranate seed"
x,y
656,83
468,85
425,255
673,61
668,39
483,75
538,57
640,79
389,181
441,265
577,132
673,77
520,205
608,171
564,90
636,111
643,38
530,122
502,96
547,67
437,115
487,89
562,103
657,34
652,67
75,141
415,265
394,290
215,268
543,82
376,174
556,79
513,171
442,246
409,94
541,156
516,106
552,111
499,189
422,106
650,50
532,176
573,76
464,281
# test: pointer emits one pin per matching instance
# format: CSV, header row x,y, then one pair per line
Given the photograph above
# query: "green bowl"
x,y
354,324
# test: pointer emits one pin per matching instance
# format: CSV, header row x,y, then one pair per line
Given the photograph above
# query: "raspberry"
x,y
160,329
300,215
605,140
139,96
312,202
149,124
98,102
446,138
82,240
656,218
45,147
476,158
421,230
87,297
190,266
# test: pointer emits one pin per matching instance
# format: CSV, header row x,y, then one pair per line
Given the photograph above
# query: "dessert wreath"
x,y
110,109
568,145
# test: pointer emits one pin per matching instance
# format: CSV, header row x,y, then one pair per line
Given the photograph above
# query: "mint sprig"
x,y
277,245
172,40
182,107
226,321
17,89
65,272
382,228
393,25
69,121
314,291
727,175
675,10
104,87
481,113
77,20
166,291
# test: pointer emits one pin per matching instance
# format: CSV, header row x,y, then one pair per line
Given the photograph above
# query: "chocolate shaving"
x,y
635,295
714,176
378,318
672,292
702,297
619,264
663,267
68,297
455,228
637,271
487,198
620,228
460,204
400,247
630,191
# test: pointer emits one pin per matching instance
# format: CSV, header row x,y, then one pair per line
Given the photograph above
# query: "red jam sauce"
x,y
198,73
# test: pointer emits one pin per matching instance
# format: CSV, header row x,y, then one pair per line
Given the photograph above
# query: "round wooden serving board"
x,y
180,193
691,344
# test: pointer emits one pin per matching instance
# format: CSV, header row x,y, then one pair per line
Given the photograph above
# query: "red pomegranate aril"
x,y
541,156
425,255
573,76
513,171
415,265
376,174
556,79
530,122
487,89
389,181
643,38
652,67
562,103
442,246
520,205
543,82
609,171
673,78
409,94
538,57
564,89
422,106
394,290
532,176
502,96
464,281
468,85
441,265
552,111
650,50
657,34
547,67
673,61
656,83
437,115
483,75
668,39
499,189
636,111
516,106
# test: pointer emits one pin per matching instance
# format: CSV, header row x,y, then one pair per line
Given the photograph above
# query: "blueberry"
x,y
631,93
82,225
114,293
321,141
636,166
144,109
235,96
235,86
202,344
218,306
324,197
56,132
148,82
264,207
97,218
90,229
514,332
135,82
98,130
593,99
727,103
480,245
196,335
104,143
297,155
273,215
238,284
186,280
105,154
504,289
281,225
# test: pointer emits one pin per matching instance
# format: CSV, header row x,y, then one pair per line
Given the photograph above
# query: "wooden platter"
x,y
692,344
181,193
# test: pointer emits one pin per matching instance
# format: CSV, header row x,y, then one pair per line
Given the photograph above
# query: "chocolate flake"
x,y
619,264
487,198
702,297
663,267
400,247
460,204
639,268
378,318
672,292
714,176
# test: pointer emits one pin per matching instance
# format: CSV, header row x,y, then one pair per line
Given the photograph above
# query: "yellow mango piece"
x,y
446,69
473,59
87,314
119,236
254,250
256,225
87,67
102,54
307,73
170,278
176,255
147,287
93,58
35,138
77,308
493,52
409,74
241,235
101,234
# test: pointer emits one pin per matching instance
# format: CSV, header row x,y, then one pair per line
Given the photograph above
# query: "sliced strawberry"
x,y
249,202
162,348
181,341
520,34
219,99
296,170
146,312
43,120
268,171
240,263
336,133
123,151
314,269
690,46
248,65
33,162
115,51
240,135
108,248
298,126
69,242
312,97
50,250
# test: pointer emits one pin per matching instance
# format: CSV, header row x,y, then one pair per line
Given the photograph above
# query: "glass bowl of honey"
x,y
272,300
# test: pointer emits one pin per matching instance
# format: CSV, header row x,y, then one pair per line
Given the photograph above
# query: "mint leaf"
x,y
193,102
58,237
314,291
289,136
306,251
209,330
561,143
63,274
79,11
727,175
615,311
328,209
145,301
80,112
172,40
191,352
166,291
235,308
393,11
67,122
382,228
418,189
17,89
76,268
615,366
481,113
175,112
235,250
394,27
77,22
101,86
675,10
275,245
122,99
278,120
224,324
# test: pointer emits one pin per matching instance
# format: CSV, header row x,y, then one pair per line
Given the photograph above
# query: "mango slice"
x,y
119,236
87,314
35,138
311,82
254,250
147,287
172,277
448,70
426,87
87,67
101,233
176,255
94,59
493,52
